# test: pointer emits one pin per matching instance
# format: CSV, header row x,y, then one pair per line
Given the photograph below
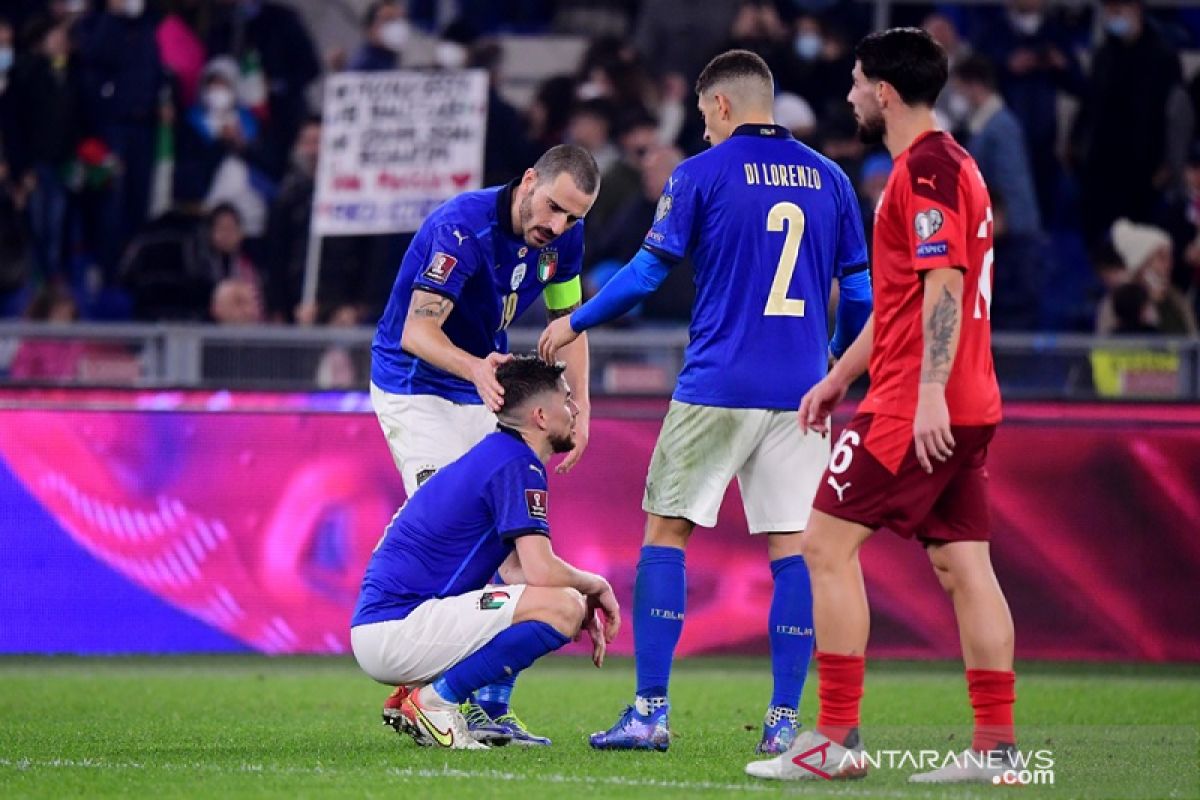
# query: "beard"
x,y
525,212
871,130
562,444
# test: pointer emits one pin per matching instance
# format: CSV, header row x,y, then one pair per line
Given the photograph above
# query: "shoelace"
x,y
475,715
513,720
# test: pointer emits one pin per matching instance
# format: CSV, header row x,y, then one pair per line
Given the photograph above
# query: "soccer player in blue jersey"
x,y
769,223
426,615
475,265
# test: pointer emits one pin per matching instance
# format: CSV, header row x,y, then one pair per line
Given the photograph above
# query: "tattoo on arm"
x,y
939,337
430,305
554,313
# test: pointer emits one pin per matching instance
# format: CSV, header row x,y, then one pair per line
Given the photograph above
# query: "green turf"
x,y
249,726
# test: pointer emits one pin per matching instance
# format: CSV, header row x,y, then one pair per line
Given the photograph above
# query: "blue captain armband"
x,y
633,283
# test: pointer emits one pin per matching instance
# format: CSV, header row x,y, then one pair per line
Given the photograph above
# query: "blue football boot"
x,y
779,731
635,731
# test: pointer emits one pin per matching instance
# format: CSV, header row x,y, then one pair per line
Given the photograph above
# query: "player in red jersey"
x,y
913,458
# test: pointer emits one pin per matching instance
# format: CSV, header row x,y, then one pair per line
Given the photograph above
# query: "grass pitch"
x,y
307,727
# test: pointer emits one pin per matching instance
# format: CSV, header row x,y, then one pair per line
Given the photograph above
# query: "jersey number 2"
x,y
778,303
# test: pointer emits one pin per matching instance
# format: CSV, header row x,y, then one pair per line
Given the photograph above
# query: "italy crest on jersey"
x,y
547,265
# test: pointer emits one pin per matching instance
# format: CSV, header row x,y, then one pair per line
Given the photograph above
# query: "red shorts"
x,y
949,505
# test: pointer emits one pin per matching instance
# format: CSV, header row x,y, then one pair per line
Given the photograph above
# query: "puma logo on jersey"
x,y
459,236
930,182
839,488
537,470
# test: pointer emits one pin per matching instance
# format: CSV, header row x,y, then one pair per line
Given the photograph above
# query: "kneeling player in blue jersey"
x,y
426,615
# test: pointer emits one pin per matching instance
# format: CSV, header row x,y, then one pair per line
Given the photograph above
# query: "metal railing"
x,y
625,361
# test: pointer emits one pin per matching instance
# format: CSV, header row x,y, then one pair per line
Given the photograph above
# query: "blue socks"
x,y
790,627
659,597
511,651
494,698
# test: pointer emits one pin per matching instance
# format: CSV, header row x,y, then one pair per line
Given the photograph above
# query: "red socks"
x,y
840,690
993,693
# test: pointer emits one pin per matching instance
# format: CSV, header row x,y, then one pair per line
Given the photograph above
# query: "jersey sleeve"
x,y
454,254
935,213
570,255
675,218
852,242
520,499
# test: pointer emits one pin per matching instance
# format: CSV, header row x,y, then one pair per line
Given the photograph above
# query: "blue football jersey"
x,y
466,250
452,536
769,222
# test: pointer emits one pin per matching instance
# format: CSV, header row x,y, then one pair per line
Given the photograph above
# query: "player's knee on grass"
x,y
563,608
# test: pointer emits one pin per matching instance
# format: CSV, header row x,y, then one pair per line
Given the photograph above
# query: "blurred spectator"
x,y
757,27
1182,222
277,61
236,301
45,99
794,113
1022,263
826,77
221,155
1035,61
7,53
636,135
166,271
548,113
590,126
506,151
1122,130
336,368
387,32
453,48
876,169
951,107
15,252
997,144
674,38
49,359
225,240
1146,253
121,76
620,239
1132,310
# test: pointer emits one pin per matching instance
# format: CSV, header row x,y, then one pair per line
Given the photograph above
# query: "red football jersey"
x,y
935,212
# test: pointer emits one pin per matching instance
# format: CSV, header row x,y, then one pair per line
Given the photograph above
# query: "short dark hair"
x,y
527,376
907,58
978,70
573,160
731,65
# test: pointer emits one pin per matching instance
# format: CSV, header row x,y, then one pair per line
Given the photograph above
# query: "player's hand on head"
x,y
483,375
558,334
932,438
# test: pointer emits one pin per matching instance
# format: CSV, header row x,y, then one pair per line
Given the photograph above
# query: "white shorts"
x,y
435,636
701,448
425,432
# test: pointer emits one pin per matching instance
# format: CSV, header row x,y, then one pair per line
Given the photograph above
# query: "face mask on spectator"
x,y
6,59
450,55
589,91
305,162
75,6
958,106
395,34
1120,26
808,45
1026,22
133,8
219,98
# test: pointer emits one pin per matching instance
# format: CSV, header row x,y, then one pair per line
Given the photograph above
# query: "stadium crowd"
x,y
157,157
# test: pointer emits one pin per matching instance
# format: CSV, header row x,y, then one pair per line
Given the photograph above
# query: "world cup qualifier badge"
x,y
547,265
490,601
